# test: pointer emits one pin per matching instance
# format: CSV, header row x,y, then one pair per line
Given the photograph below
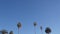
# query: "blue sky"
x,y
45,12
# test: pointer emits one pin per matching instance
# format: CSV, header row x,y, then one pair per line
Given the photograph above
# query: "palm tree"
x,y
41,29
11,32
47,30
19,26
35,26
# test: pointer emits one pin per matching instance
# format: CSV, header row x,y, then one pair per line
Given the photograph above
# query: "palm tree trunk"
x,y
35,30
47,33
41,32
18,30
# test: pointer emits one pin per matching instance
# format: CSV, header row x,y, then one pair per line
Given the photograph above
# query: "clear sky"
x,y
45,12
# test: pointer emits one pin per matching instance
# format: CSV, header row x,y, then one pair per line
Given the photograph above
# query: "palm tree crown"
x,y
35,24
19,25
11,32
41,27
4,31
48,30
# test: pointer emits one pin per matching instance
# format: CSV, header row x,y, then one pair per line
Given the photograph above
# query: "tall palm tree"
x,y
19,26
47,30
35,27
41,29
11,32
